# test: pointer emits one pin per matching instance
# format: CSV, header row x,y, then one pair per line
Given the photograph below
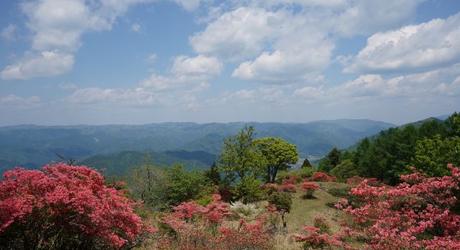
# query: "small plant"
x,y
245,211
321,223
309,188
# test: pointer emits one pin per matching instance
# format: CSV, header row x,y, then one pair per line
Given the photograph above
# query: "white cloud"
x,y
237,34
14,100
45,63
434,83
431,44
199,65
57,26
9,32
185,72
292,40
363,17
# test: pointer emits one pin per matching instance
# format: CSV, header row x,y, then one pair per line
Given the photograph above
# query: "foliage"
x,y
278,154
433,155
345,170
163,188
309,188
417,213
147,184
249,189
240,157
331,160
62,207
213,175
429,144
306,164
182,185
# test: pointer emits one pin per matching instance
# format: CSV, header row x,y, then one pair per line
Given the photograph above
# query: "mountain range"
x,y
192,144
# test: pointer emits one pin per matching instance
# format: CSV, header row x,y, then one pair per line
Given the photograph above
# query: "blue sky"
x,y
142,61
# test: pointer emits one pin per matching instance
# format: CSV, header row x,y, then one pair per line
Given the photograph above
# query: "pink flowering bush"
x,y
62,205
191,226
309,188
322,177
416,214
313,238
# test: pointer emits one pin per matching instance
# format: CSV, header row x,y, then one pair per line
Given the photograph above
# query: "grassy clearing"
x,y
304,211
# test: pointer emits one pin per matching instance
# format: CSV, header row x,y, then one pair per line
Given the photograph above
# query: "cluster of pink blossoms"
x,y
75,195
198,227
416,214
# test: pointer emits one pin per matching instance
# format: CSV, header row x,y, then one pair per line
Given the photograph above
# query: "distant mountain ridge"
x,y
33,145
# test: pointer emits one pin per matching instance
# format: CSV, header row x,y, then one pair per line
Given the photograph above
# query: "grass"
x,y
304,211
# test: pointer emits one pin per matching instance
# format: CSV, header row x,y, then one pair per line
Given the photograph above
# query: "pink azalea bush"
x,y
418,213
62,205
313,238
322,177
192,226
309,188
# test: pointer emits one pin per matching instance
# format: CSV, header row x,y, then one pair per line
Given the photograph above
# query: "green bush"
x,y
249,189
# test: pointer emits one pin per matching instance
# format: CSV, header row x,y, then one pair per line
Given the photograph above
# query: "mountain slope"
x,y
120,163
32,146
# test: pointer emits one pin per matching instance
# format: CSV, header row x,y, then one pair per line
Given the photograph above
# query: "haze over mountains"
x,y
189,143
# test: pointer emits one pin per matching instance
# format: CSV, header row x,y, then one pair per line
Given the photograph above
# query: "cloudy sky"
x,y
142,61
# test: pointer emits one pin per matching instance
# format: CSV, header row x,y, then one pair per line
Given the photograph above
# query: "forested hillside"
x,y
429,145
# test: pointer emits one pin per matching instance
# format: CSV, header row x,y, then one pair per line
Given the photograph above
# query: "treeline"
x,y
243,166
427,145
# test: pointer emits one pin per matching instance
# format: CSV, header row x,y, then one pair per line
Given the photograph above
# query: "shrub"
x,y
63,206
193,227
417,213
322,177
246,211
321,223
309,188
281,202
313,238
249,189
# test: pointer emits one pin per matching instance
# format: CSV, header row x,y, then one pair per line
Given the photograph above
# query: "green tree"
x,y
240,157
278,154
146,183
433,155
331,160
306,163
453,124
183,185
213,175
